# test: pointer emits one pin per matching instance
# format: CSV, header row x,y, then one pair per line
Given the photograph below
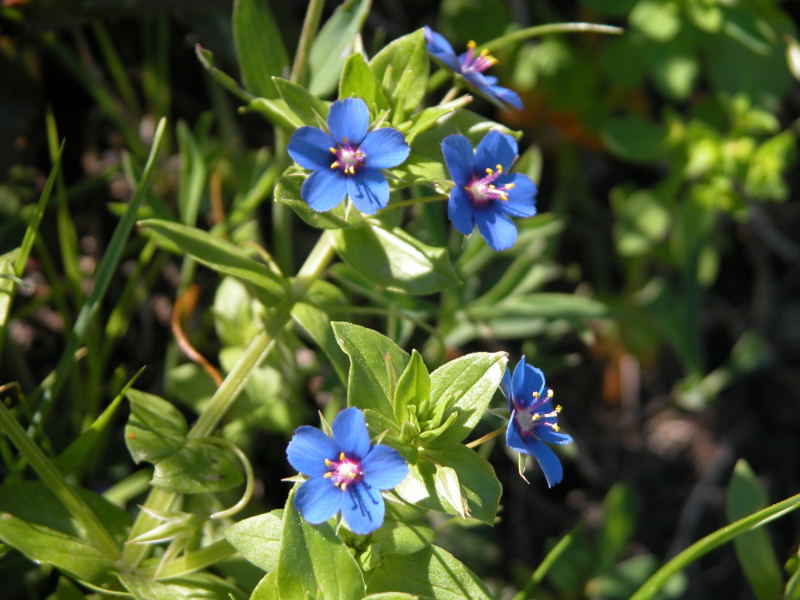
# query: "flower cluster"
x,y
534,419
345,473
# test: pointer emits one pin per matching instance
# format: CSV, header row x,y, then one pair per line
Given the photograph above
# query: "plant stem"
x,y
310,26
226,394
538,575
725,534
536,31
52,478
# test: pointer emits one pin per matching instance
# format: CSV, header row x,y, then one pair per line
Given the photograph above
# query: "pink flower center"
x,y
348,158
343,472
528,418
482,190
476,61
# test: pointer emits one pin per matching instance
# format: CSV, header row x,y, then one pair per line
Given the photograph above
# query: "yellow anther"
x,y
556,428
328,462
332,149
550,394
341,456
334,164
535,394
343,486
485,52
471,44
510,186
536,416
499,168
489,171
559,408
328,474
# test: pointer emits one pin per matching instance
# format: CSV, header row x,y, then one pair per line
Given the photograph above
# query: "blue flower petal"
x,y
495,149
533,381
441,49
506,96
497,229
459,210
363,509
308,449
521,394
383,467
348,120
350,433
458,156
369,190
548,461
310,148
521,198
318,500
384,148
324,189
546,434
507,388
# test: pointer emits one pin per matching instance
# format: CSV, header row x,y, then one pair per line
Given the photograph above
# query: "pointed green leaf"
x,y
413,387
305,105
155,428
368,384
395,259
405,530
258,538
754,548
259,46
220,255
480,487
357,81
401,69
197,586
334,44
464,387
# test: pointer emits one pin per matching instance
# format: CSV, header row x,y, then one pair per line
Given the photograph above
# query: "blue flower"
x,y
533,420
353,170
345,473
471,66
485,193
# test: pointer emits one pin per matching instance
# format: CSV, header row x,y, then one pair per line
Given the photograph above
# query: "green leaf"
x,y
333,45
392,596
258,46
754,548
765,170
287,191
413,387
44,545
635,139
448,490
267,588
621,580
401,69
479,485
258,538
315,562
465,122
430,573
464,387
220,256
427,118
395,259
543,305
155,428
276,112
197,467
619,522
303,103
206,58
191,587
371,354
358,81
193,175
405,530
657,19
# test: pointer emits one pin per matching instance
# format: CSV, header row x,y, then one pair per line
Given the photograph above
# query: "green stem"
x,y
538,575
725,534
53,479
199,559
538,30
226,394
310,26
